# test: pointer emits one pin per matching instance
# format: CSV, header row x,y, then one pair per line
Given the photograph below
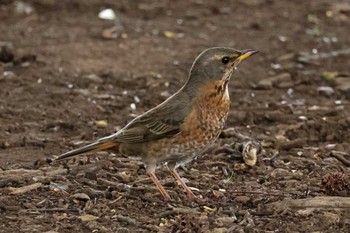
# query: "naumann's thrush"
x,y
185,124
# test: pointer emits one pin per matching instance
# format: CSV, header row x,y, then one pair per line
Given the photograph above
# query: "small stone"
x,y
286,84
219,230
123,177
280,173
239,166
305,212
107,14
137,99
25,64
58,187
329,76
217,193
331,218
133,106
83,92
80,196
284,77
8,74
226,220
169,34
242,199
265,84
325,90
330,146
343,85
94,78
23,8
283,80
5,144
101,123
338,102
88,217
276,66
91,175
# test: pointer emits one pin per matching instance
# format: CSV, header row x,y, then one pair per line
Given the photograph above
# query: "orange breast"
x,y
210,110
201,128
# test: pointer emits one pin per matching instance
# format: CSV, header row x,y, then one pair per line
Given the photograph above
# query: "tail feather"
x,y
96,146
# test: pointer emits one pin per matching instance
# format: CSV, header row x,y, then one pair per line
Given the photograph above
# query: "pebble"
x,y
107,14
219,230
88,217
124,177
305,212
59,187
343,85
23,8
92,193
217,193
8,74
94,78
80,196
242,199
101,123
325,90
133,106
225,220
280,173
283,80
331,218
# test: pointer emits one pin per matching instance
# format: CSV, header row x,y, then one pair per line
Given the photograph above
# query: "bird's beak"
x,y
245,54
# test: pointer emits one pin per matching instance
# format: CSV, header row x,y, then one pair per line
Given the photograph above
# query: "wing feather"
x,y
163,121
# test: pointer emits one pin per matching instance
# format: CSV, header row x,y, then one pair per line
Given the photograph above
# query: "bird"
x,y
183,126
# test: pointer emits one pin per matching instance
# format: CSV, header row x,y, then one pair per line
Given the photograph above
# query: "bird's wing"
x,y
163,121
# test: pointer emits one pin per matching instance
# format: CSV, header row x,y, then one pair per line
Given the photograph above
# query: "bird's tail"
x,y
96,146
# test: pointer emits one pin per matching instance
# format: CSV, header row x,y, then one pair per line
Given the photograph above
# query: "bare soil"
x,y
68,77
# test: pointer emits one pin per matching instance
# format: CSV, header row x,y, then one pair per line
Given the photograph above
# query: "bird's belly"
x,y
191,141
199,130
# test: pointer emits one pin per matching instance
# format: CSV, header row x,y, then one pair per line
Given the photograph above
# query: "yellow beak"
x,y
246,53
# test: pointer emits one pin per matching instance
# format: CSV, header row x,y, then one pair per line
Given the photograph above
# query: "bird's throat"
x,y
214,92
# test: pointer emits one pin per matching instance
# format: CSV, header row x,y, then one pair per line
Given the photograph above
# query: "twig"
x,y
340,156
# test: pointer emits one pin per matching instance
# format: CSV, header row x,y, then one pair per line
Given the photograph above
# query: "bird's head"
x,y
216,64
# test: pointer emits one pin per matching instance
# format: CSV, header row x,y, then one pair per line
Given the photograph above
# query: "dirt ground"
x,y
68,77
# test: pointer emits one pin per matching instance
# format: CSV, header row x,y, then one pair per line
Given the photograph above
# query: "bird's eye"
x,y
225,60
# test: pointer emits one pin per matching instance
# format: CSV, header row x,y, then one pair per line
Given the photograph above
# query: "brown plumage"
x,y
185,124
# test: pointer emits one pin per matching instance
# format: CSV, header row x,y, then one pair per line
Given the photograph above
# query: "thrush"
x,y
184,125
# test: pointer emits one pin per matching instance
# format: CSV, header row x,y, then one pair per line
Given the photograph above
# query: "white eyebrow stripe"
x,y
216,57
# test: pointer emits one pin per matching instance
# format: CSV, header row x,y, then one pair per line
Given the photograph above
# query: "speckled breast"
x,y
200,129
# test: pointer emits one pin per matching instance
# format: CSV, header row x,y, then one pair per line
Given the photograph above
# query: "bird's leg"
x,y
159,185
190,195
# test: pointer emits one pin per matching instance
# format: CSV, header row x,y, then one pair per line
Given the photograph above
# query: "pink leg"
x,y
190,195
159,185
